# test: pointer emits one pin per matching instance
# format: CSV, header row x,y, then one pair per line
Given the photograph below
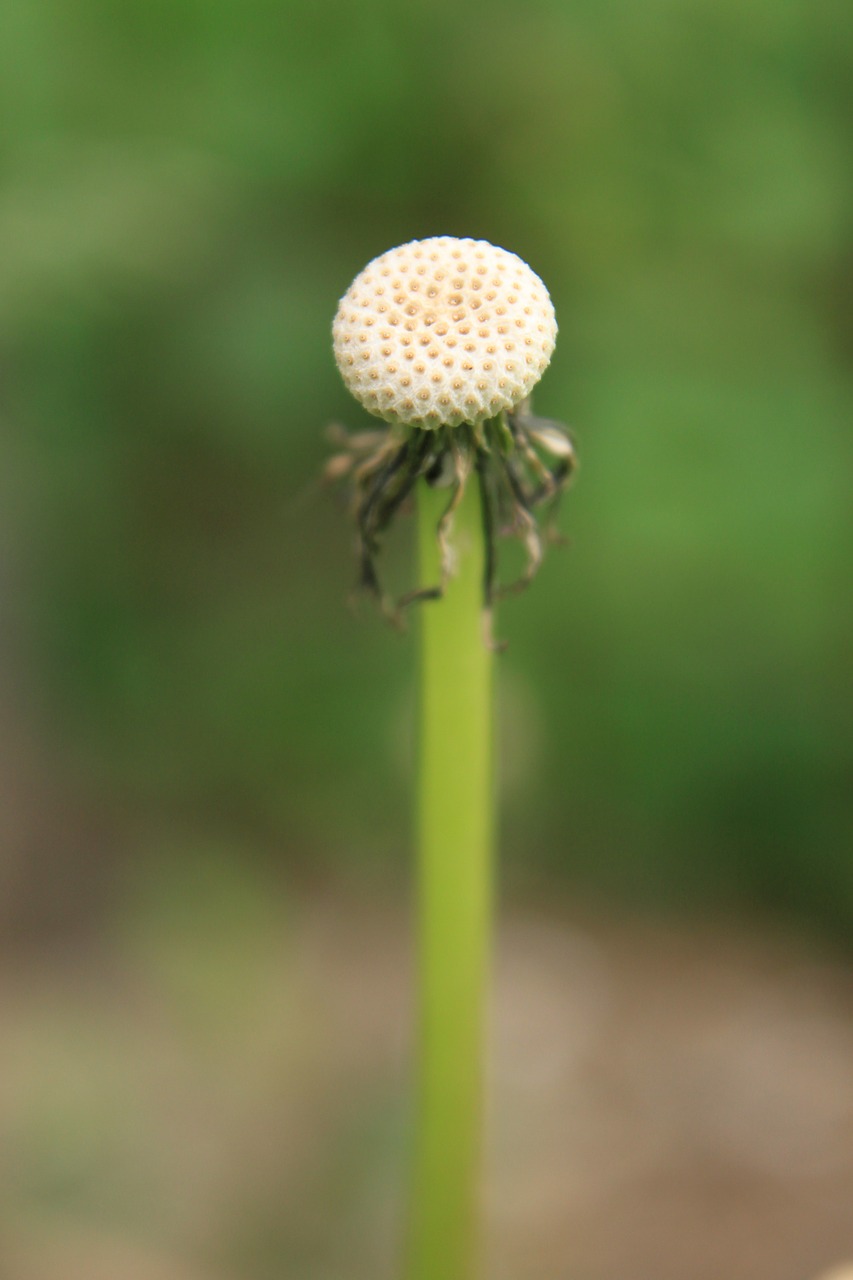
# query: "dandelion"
x,y
444,340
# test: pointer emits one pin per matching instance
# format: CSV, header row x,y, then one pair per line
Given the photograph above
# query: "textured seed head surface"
x,y
443,331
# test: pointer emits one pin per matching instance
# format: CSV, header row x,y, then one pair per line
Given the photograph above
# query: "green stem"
x,y
455,830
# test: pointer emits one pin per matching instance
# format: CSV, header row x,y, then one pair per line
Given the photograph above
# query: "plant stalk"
x,y
455,837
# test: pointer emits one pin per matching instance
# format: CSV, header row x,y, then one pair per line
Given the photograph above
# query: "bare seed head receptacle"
x,y
443,332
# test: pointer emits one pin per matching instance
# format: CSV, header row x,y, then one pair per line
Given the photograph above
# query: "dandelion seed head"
x,y
434,299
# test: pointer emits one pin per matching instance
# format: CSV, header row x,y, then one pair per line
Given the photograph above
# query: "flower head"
x,y
444,331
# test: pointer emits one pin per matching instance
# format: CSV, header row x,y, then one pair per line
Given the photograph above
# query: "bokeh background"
x,y
206,782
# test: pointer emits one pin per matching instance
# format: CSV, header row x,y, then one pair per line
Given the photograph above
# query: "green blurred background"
x,y
196,726
188,188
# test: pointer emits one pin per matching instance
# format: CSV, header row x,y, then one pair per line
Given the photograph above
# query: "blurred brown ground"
x,y
667,1102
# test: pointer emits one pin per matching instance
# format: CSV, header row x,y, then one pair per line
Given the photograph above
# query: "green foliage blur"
x,y
187,189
